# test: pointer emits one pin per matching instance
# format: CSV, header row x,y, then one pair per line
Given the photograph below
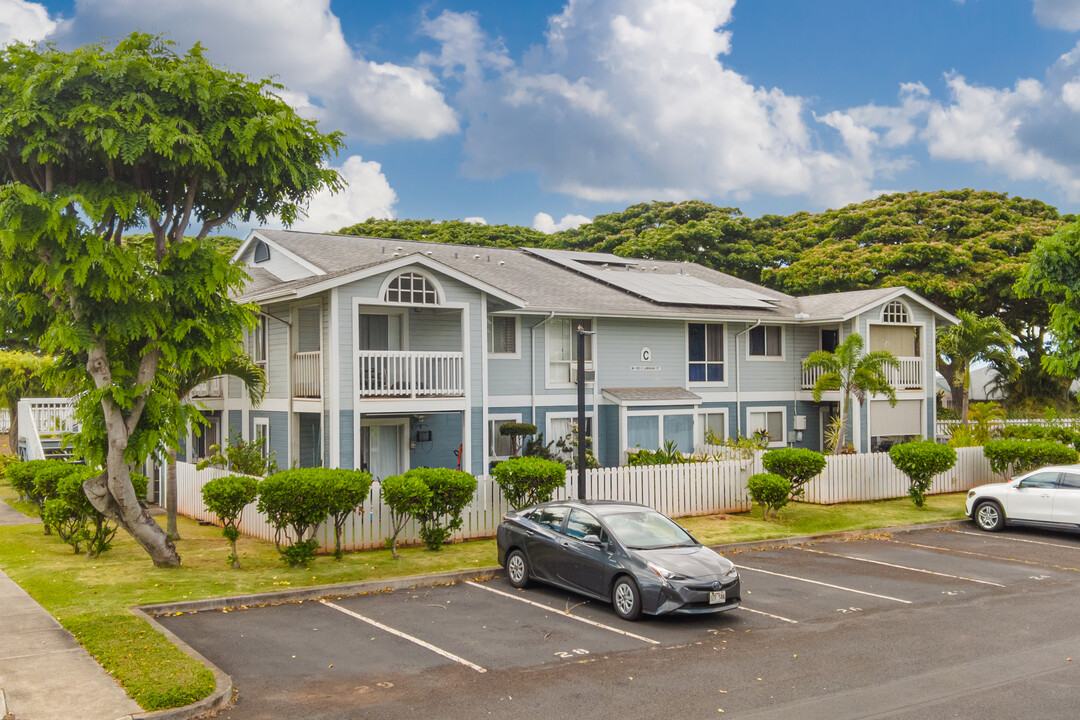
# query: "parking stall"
x,y
476,628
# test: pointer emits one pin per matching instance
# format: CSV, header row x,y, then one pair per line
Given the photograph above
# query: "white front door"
x,y
382,447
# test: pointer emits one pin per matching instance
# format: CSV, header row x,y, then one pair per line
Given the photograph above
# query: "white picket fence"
x,y
676,490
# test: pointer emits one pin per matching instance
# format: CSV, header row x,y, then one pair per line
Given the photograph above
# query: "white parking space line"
x,y
974,554
901,567
825,584
776,617
564,613
1016,539
406,636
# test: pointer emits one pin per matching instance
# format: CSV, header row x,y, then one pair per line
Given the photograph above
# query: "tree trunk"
x,y
13,433
841,437
112,492
170,497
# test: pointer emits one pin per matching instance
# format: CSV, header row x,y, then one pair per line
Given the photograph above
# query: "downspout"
x,y
738,379
532,365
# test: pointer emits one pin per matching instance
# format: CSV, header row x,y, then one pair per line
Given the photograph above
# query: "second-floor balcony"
x,y
405,373
307,374
909,376
212,388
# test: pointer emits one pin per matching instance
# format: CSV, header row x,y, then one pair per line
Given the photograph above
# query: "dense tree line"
x,y
961,249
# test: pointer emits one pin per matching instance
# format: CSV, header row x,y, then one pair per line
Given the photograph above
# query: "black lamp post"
x,y
581,436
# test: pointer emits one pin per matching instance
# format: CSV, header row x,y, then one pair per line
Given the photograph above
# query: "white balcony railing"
x,y
909,376
400,373
212,388
307,374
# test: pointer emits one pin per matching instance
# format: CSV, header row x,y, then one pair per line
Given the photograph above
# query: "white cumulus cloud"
x,y
630,99
367,195
22,21
300,43
546,224
1063,14
475,221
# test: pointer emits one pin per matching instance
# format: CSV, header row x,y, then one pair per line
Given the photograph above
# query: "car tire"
x,y
989,516
626,598
517,569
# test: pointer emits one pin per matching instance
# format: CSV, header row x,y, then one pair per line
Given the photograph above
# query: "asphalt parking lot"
x,y
933,623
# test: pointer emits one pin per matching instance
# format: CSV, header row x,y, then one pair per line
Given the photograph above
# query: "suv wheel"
x,y
989,516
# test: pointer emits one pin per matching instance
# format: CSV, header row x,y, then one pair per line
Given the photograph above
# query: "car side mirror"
x,y
591,540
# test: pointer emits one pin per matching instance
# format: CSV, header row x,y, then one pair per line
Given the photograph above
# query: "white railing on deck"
x,y
403,373
307,374
909,376
44,416
5,420
677,490
212,388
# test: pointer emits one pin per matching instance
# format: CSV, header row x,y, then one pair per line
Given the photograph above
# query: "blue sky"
x,y
546,113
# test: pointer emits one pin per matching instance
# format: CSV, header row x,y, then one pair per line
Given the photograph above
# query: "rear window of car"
x,y
551,517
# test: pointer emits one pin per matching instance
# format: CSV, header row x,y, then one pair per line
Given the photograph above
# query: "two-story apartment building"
x,y
389,354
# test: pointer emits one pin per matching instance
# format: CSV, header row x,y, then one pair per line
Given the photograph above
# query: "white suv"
x,y
1047,497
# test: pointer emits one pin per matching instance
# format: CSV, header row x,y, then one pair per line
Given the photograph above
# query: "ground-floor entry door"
x,y
383,446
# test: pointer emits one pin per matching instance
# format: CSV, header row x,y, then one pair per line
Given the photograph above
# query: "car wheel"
x,y
626,598
989,516
517,569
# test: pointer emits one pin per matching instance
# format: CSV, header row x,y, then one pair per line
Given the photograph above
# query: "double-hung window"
x,y
767,341
769,421
706,352
562,350
260,342
502,335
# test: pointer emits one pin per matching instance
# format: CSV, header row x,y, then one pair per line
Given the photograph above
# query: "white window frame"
x,y
516,355
889,318
661,415
440,296
783,410
264,424
724,362
701,423
590,366
572,417
260,344
494,420
768,358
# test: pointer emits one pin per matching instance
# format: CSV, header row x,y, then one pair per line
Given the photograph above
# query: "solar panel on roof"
x,y
667,288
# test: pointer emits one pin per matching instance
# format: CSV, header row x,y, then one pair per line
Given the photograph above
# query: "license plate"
x,y
716,596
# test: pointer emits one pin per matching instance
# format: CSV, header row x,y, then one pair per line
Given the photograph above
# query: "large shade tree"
x,y
961,249
1053,275
973,339
853,373
100,140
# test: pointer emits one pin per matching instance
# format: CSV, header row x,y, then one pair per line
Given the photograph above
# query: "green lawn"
x,y
91,598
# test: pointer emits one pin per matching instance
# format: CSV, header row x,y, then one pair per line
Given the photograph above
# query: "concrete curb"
x,y
223,694
217,700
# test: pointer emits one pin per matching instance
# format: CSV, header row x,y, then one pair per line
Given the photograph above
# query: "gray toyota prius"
x,y
627,554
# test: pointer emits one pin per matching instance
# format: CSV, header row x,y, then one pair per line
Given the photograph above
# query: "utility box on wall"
x,y
799,422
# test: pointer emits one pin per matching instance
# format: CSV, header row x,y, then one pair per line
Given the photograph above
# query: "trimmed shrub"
x,y
1063,435
529,481
227,497
797,465
515,431
1018,456
406,496
294,501
76,521
346,490
451,491
770,491
921,460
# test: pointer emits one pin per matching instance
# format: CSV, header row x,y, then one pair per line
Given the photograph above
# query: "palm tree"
x,y
974,338
244,369
851,372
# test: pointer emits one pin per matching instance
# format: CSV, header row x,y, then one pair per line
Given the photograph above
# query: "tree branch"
x,y
241,193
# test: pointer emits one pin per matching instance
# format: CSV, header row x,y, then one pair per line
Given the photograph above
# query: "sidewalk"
x,y
44,673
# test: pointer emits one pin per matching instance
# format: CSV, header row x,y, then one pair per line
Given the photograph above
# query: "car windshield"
x,y
647,530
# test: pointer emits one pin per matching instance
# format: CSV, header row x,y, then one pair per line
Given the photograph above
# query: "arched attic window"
x,y
412,288
896,312
262,252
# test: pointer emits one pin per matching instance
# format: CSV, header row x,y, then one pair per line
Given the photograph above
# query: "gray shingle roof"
x,y
546,280
673,395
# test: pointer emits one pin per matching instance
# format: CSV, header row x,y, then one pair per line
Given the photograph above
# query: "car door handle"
x,y
565,544
530,533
